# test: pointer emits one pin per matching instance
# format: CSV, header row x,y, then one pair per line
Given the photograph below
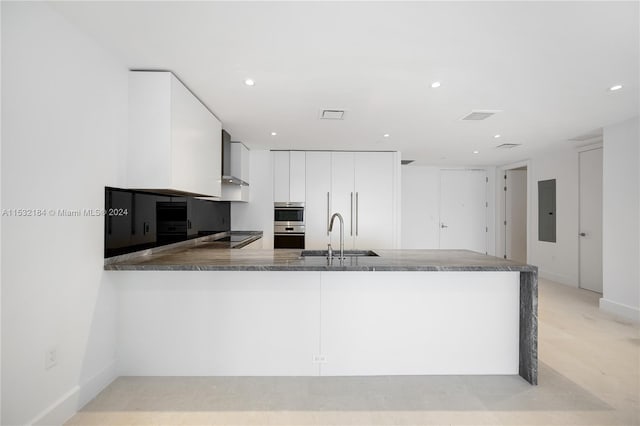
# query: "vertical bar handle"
x,y
351,225
328,212
357,216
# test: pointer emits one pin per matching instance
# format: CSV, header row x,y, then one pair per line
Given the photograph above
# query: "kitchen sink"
x,y
336,253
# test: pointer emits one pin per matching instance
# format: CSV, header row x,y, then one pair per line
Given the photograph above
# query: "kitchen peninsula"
x,y
199,310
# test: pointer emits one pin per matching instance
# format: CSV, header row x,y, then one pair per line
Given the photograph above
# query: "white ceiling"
x,y
547,66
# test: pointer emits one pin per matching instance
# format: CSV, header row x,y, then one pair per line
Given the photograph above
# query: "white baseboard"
x,y
558,278
619,309
76,398
96,384
60,411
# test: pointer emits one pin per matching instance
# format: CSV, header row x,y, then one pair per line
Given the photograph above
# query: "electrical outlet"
x,y
319,359
50,358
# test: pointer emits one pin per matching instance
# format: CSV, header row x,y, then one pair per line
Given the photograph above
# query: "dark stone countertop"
x,y
213,256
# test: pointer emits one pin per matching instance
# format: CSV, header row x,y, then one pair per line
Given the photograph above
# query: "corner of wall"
x,y
77,397
620,219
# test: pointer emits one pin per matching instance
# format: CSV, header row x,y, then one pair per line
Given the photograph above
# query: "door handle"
x,y
583,234
442,225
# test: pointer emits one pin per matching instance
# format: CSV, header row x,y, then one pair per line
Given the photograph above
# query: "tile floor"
x,y
589,375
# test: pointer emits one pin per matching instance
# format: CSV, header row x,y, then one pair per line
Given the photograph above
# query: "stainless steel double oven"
x,y
288,225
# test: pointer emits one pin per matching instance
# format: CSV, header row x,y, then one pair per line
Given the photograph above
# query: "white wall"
x,y
621,217
64,116
556,261
421,207
257,215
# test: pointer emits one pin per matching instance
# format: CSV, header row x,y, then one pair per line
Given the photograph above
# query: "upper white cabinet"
x,y
363,188
174,140
289,176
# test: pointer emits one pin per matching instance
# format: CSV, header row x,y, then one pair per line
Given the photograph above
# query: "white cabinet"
x,y
174,140
374,205
342,194
318,192
297,167
362,187
239,168
280,176
289,176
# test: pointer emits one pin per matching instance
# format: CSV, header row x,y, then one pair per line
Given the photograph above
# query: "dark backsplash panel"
x,y
132,221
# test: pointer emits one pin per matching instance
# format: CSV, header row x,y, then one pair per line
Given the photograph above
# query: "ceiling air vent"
x,y
332,114
405,162
508,145
477,115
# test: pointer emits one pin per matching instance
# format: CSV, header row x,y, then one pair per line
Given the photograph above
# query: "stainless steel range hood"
x,y
227,173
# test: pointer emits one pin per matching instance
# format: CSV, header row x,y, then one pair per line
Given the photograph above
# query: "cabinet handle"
x,y
357,216
351,225
328,213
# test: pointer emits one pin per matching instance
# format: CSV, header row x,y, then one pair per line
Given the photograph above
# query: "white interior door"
x,y
515,215
591,220
463,210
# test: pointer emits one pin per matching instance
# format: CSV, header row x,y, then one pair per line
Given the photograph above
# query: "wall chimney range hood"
x,y
227,175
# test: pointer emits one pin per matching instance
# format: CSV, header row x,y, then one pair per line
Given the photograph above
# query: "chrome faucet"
x,y
341,233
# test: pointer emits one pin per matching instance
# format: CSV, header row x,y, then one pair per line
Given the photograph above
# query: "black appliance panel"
x,y
288,241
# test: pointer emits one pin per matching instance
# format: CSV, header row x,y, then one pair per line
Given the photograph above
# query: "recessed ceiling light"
x,y
435,84
476,152
274,134
616,87
497,136
386,135
249,82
